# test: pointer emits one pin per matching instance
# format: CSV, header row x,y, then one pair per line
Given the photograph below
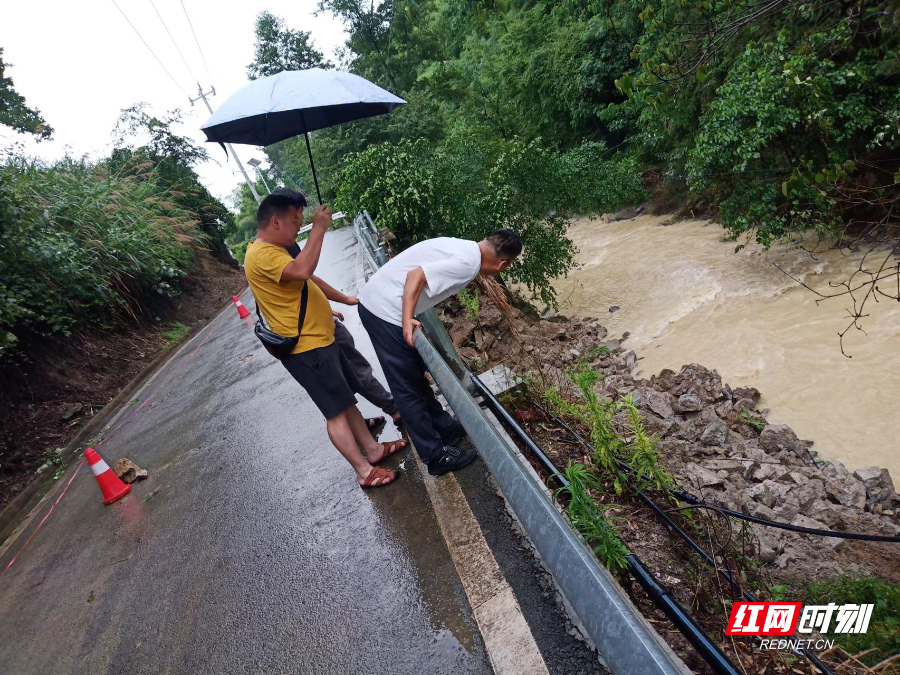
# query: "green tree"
x,y
141,137
15,113
280,48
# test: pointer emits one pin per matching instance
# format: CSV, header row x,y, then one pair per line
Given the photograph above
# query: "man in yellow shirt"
x,y
278,282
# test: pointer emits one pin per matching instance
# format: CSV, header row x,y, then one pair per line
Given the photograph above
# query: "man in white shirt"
x,y
419,278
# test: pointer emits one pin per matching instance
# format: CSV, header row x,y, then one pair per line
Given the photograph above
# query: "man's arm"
x,y
332,293
415,283
303,266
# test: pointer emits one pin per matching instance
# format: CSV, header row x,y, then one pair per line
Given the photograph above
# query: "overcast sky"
x,y
81,63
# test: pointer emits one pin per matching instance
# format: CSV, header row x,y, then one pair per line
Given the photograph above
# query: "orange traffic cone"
x,y
109,482
242,311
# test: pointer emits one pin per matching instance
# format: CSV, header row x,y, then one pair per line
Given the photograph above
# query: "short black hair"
x,y
277,204
505,243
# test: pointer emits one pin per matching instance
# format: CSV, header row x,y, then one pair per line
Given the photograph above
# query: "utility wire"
x,y
175,44
174,81
205,65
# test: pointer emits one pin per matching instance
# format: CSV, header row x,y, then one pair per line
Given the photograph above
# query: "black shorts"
x,y
327,376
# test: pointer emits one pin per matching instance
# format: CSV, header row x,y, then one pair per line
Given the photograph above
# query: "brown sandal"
x,y
378,477
391,448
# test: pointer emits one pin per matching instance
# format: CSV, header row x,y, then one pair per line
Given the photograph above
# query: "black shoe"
x,y
451,459
457,439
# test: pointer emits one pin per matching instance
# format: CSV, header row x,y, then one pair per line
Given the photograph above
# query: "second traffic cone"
x,y
113,488
242,311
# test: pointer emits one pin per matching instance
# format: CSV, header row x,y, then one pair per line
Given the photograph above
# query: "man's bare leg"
x,y
373,449
344,439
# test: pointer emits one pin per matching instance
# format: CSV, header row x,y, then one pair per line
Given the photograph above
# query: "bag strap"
x,y
304,296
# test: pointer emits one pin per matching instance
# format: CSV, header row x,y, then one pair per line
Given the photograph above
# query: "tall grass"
x,y
81,245
588,516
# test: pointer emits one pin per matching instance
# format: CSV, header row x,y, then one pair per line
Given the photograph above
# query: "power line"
x,y
205,65
175,44
174,81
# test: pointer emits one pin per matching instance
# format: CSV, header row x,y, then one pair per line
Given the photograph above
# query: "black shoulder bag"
x,y
277,345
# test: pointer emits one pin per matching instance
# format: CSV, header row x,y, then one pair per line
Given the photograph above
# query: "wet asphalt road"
x,y
250,549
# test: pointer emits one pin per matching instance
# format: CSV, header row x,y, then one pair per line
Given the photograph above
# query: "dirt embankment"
x,y
46,401
712,438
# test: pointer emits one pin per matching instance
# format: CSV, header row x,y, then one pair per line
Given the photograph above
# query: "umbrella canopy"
x,y
295,102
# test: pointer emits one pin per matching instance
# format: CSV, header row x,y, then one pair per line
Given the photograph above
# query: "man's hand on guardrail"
x,y
409,330
322,218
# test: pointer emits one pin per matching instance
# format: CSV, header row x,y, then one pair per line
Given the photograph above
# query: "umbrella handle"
x,y
313,166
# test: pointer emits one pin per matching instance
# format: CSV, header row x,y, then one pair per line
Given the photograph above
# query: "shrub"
x,y
80,245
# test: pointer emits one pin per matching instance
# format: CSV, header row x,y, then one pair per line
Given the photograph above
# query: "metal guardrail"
x,y
628,645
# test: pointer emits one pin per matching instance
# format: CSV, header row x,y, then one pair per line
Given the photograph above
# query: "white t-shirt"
x,y
449,265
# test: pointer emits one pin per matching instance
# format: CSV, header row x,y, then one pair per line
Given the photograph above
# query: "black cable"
x,y
175,44
199,49
499,410
659,594
175,82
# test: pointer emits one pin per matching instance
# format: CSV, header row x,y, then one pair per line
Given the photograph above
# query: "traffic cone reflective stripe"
x,y
242,311
111,485
100,467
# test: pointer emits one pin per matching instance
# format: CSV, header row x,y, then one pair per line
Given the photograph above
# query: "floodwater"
x,y
687,297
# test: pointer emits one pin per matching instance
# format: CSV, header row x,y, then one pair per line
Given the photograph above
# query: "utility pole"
x,y
212,92
255,163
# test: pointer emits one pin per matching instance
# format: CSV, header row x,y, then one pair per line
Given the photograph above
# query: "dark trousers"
x,y
428,424
370,388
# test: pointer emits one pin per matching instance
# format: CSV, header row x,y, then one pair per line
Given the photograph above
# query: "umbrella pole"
x,y
313,167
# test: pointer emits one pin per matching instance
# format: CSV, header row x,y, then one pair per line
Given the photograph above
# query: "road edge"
x,y
508,641
12,515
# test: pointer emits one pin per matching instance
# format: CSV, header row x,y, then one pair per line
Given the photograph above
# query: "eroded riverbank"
x,y
686,297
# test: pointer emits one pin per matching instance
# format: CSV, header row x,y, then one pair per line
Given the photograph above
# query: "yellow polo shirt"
x,y
279,301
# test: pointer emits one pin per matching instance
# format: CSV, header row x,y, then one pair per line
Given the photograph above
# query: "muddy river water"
x,y
687,297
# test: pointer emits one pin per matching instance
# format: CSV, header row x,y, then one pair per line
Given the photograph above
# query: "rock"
x,y
631,360
762,493
695,379
70,411
743,404
846,490
809,492
805,521
715,434
646,398
614,309
776,496
747,392
767,551
780,437
824,511
700,477
769,471
484,340
879,487
800,478
612,345
128,471
689,403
